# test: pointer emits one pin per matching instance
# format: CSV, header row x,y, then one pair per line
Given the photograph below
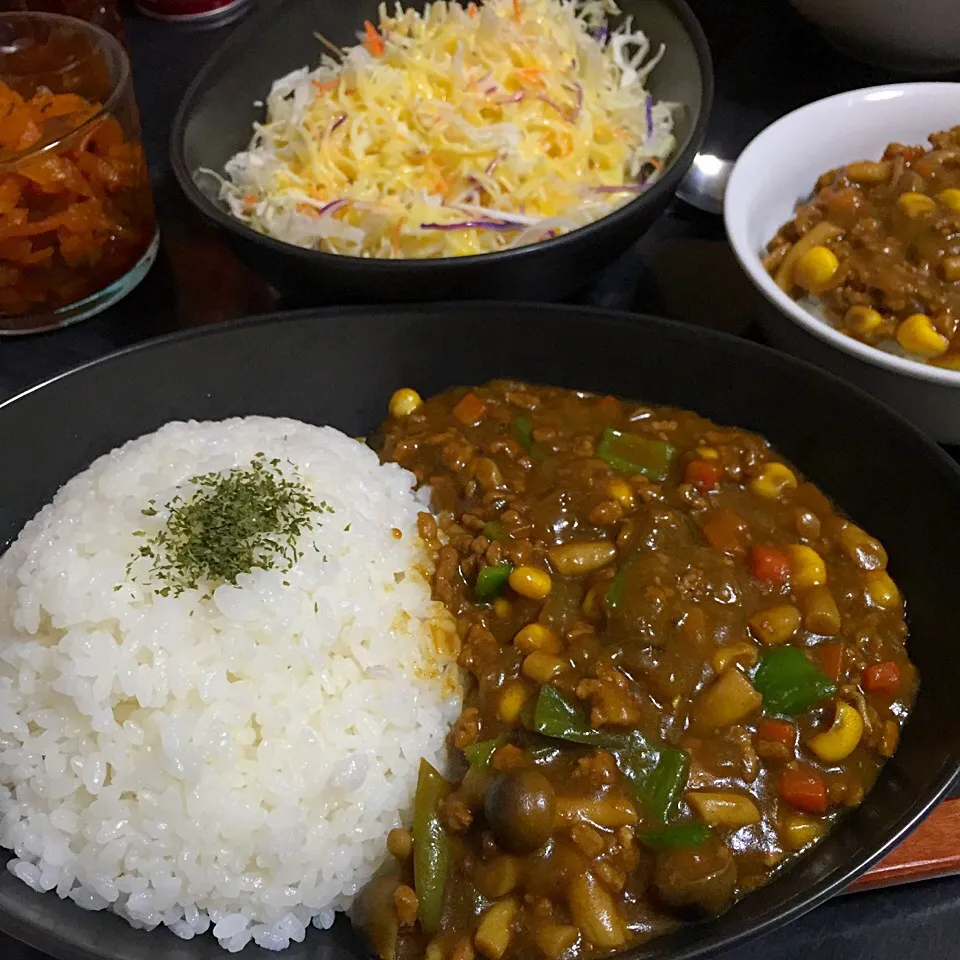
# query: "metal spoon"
x,y
704,183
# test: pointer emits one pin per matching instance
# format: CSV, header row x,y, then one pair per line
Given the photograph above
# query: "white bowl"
x,y
914,35
778,169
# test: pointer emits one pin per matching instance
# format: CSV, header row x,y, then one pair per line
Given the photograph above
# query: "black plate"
x,y
216,119
341,367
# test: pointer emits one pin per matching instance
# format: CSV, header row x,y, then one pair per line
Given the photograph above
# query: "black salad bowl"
x,y
340,367
215,121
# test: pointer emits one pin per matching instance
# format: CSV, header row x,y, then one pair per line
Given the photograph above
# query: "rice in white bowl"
x,y
236,762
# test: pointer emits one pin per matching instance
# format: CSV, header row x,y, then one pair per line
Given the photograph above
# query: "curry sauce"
x,y
683,664
878,246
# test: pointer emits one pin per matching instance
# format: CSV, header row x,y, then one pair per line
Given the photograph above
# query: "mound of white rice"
x,y
236,762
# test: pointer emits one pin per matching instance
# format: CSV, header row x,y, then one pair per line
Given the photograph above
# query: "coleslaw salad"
x,y
457,131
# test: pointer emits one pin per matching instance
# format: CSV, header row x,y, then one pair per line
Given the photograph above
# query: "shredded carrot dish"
x,y
457,130
75,217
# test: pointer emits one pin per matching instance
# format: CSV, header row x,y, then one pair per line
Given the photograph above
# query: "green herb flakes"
x,y
236,521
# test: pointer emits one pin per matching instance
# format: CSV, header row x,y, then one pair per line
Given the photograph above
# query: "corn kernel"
x,y
512,698
502,608
862,321
542,667
949,362
708,453
866,551
916,205
404,402
773,481
729,656
881,590
950,198
535,636
950,268
591,605
798,831
841,739
530,582
816,267
807,568
622,492
776,625
918,335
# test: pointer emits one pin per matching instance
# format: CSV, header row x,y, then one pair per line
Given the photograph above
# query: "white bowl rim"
x,y
750,259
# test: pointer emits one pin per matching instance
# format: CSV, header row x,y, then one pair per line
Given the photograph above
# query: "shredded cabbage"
x,y
456,131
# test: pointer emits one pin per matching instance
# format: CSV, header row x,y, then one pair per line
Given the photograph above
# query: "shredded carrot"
x,y
657,164
531,75
472,8
517,10
327,85
438,183
373,41
73,218
250,199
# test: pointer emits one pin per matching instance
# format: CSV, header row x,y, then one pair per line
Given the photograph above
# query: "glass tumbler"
x,y
101,13
77,224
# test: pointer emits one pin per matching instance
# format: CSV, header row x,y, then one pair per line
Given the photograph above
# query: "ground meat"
x,y
455,814
463,950
405,903
507,757
611,703
588,839
599,769
466,729
446,579
427,528
479,648
774,751
605,513
609,875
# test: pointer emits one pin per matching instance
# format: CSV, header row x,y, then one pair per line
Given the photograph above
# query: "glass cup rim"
x,y
106,108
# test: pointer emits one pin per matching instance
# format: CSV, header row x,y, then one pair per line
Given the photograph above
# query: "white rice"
x,y
233,763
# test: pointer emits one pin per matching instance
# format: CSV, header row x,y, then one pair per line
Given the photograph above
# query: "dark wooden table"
x,y
768,62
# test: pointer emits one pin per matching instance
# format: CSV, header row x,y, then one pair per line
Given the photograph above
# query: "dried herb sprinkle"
x,y
234,521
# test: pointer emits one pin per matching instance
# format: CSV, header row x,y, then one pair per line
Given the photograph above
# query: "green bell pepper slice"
x,y
480,754
431,847
491,582
676,836
493,530
632,453
661,791
555,716
789,683
615,594
658,776
522,430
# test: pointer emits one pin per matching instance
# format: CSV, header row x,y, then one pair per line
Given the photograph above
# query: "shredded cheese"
x,y
456,131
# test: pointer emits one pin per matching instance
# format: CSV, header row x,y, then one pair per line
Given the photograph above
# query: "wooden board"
x,y
932,850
